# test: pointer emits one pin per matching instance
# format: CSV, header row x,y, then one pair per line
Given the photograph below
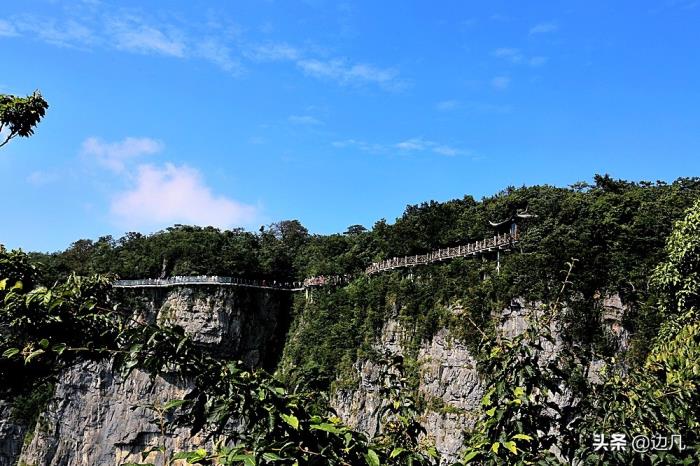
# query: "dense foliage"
x,y
524,420
45,329
616,231
20,115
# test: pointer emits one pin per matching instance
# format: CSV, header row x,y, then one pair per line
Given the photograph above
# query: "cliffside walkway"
x,y
208,280
497,243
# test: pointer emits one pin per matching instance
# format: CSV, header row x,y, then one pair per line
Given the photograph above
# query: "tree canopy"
x,y
20,115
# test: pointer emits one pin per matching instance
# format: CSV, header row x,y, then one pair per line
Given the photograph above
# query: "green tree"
x,y
20,115
662,397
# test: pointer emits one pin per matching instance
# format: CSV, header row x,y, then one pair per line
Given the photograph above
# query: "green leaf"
x,y
248,460
44,343
511,447
396,452
191,456
32,355
470,456
522,437
59,348
372,458
326,427
271,457
291,419
173,404
10,352
495,446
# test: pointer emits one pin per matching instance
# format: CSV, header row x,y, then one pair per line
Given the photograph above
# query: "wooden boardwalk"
x,y
497,243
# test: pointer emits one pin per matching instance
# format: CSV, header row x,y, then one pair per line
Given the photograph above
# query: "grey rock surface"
x,y
11,436
98,417
449,379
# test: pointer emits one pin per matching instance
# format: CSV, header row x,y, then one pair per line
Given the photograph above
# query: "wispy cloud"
x,y
272,52
213,50
500,82
544,28
7,29
116,155
40,178
424,145
102,26
371,148
306,120
176,194
416,144
132,34
68,33
537,61
446,105
516,57
340,70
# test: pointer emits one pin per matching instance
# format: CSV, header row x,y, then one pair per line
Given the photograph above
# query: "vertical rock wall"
x,y
98,417
449,381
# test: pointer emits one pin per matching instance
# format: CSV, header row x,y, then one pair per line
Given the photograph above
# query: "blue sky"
x,y
243,113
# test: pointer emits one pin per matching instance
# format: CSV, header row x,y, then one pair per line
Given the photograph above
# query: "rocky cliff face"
x,y
11,435
99,417
449,381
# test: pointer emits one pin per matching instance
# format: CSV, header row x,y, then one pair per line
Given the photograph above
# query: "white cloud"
x,y
69,33
214,51
516,57
446,150
537,61
304,120
7,29
113,28
409,145
337,69
364,146
412,144
40,178
447,105
273,52
133,35
346,73
545,27
508,53
500,82
423,145
176,194
116,155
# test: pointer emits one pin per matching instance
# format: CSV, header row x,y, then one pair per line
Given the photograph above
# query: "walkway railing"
x,y
325,280
208,280
498,242
502,241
